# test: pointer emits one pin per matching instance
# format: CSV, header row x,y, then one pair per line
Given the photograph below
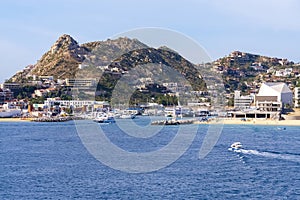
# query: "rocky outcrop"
x,y
62,60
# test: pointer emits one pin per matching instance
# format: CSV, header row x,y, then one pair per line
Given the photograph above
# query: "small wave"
x,y
282,156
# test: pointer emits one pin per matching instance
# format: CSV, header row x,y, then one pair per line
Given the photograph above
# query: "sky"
x,y
267,27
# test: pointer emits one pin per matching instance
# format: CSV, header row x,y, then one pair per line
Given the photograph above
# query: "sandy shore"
x,y
15,119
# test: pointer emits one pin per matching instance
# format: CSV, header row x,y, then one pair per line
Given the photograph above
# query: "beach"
x,y
15,119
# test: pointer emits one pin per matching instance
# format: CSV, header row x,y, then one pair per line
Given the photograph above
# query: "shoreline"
x,y
222,121
16,119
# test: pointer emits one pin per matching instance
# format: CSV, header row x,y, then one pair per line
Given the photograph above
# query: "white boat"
x,y
235,146
102,117
8,110
7,113
127,116
105,120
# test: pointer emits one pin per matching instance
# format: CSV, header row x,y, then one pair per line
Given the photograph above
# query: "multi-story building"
x,y
50,102
297,97
242,102
11,86
273,96
81,83
6,95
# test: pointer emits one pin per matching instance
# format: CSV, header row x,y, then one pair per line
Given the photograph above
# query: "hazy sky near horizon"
x,y
266,27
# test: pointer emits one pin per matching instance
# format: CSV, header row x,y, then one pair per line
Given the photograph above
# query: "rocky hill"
x,y
63,59
115,58
237,59
246,71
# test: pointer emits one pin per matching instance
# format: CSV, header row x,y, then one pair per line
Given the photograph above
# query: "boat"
x,y
102,117
127,116
235,146
105,120
171,122
8,113
9,110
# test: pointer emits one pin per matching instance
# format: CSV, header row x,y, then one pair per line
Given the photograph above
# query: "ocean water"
x,y
49,161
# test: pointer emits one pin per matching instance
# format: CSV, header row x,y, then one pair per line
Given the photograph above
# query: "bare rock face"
x,y
65,42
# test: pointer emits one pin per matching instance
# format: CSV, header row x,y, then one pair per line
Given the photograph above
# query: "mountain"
x,y
63,59
66,55
114,59
151,61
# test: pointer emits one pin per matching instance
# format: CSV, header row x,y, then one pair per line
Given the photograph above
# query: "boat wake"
x,y
282,156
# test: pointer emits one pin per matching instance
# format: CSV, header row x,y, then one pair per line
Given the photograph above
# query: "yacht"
x,y
9,110
127,116
104,118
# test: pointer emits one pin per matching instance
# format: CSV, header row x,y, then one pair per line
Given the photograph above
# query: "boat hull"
x,y
9,113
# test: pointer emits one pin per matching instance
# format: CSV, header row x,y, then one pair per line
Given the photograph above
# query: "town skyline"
x,y
29,29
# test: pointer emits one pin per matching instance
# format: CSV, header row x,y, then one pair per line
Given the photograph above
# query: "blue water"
x,y
48,161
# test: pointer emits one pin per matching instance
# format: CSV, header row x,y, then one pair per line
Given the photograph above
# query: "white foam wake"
x,y
282,156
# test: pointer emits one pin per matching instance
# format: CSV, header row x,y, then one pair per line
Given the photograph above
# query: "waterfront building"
x,y
242,102
50,102
297,97
273,96
269,102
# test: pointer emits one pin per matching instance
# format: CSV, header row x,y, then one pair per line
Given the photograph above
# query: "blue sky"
x,y
267,27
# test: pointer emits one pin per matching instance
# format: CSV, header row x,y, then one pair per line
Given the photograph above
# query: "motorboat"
x,y
235,146
127,116
105,120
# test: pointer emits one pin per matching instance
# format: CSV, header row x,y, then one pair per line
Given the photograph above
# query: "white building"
x,y
297,97
284,72
40,93
272,95
75,103
242,102
81,83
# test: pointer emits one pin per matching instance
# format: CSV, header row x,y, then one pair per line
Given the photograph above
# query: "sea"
x,y
49,161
